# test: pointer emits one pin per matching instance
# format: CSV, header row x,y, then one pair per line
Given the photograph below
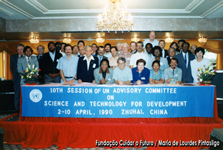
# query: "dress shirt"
x,y
88,61
99,60
137,56
69,67
163,63
113,61
108,55
63,54
158,76
127,57
154,43
52,55
122,75
187,58
176,76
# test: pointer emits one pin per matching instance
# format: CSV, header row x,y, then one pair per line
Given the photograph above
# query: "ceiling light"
x,y
115,18
66,40
34,40
169,40
202,40
100,40
135,39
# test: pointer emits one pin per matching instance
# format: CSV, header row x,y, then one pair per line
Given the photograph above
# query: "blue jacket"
x,y
143,76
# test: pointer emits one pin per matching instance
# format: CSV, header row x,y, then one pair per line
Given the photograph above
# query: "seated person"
x,y
86,67
122,74
173,74
140,73
156,75
104,74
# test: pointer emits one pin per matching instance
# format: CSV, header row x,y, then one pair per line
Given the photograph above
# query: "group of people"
x,y
120,64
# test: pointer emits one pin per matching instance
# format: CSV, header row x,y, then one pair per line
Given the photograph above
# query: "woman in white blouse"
x,y
198,63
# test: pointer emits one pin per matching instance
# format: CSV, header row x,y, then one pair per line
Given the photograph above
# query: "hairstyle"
x,y
182,40
105,59
19,45
139,42
67,45
126,44
199,49
122,59
171,45
108,45
51,43
75,46
100,47
80,41
118,43
63,43
132,42
140,61
162,41
173,59
94,44
87,47
114,48
155,48
42,47
187,44
156,61
150,45
25,49
173,49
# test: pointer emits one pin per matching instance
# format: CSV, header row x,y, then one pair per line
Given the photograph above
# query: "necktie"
x,y
185,59
29,62
100,61
173,72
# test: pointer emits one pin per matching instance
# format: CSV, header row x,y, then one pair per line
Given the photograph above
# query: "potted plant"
x,y
30,75
205,75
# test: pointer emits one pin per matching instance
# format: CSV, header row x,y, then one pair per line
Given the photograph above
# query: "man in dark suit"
x,y
16,76
184,60
40,50
86,67
100,54
164,52
50,60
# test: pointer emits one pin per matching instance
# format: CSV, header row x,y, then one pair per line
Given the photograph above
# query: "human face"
x,y
185,48
174,46
172,52
107,48
193,48
157,53
152,35
133,46
199,54
28,52
94,47
173,64
119,47
104,65
114,52
125,48
101,51
68,50
52,47
162,44
81,44
121,64
149,49
180,44
156,67
140,66
40,50
88,51
139,47
75,50
20,50
82,51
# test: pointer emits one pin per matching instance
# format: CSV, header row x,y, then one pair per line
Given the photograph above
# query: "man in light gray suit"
x,y
27,59
173,74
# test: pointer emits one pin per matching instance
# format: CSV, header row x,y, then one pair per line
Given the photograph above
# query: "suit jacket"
x,y
23,64
108,78
41,66
13,68
177,76
103,57
187,75
82,72
166,53
50,66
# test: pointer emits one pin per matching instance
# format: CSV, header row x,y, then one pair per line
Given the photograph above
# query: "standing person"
x,y
184,60
76,51
80,43
126,54
175,45
94,48
16,76
180,43
138,55
149,50
23,62
119,47
100,54
81,51
164,52
62,49
172,53
140,74
152,40
40,50
68,66
173,74
199,62
133,47
50,60
122,74
104,74
193,48
86,67
108,50
113,60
